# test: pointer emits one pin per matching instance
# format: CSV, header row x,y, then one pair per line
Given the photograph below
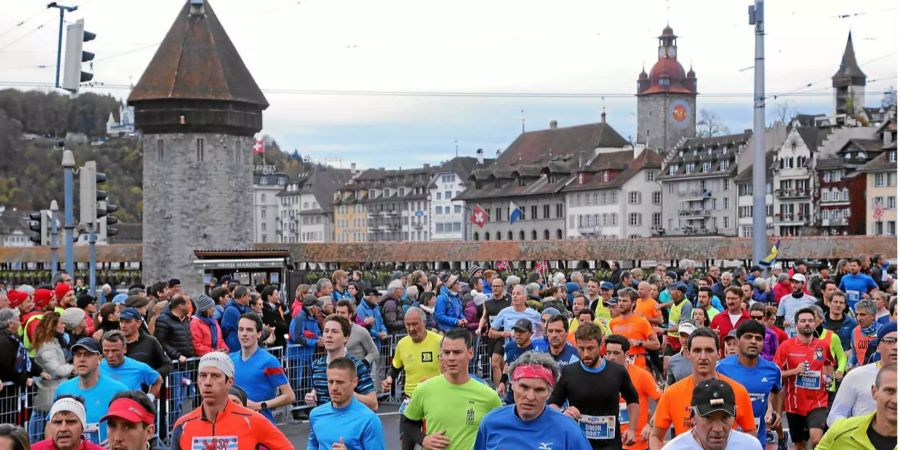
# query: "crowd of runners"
x,y
669,358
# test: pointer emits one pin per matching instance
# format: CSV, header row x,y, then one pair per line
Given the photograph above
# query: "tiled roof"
x,y
746,175
881,163
708,149
648,159
538,147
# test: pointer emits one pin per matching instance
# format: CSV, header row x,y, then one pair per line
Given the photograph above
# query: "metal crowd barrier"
x,y
180,394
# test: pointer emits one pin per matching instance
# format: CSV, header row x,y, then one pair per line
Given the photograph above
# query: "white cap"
x,y
218,360
686,328
799,277
69,404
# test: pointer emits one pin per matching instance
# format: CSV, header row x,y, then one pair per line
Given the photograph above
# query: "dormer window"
x,y
861,155
521,181
847,156
605,176
664,81
892,156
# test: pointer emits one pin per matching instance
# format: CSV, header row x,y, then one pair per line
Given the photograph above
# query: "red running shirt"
x,y
806,391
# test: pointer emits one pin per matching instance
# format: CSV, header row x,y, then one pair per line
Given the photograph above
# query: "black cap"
x,y
89,344
371,291
523,325
713,395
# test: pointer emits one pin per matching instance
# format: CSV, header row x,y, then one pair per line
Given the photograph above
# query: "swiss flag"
x,y
259,146
479,216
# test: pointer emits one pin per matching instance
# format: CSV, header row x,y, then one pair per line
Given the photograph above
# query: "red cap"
x,y
16,298
128,410
61,290
42,298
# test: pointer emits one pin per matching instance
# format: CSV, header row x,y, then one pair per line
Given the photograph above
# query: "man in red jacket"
x,y
734,313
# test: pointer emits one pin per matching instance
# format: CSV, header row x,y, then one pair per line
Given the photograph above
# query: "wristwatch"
x,y
264,405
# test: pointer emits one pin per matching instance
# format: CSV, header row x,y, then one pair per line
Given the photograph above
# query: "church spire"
x,y
849,72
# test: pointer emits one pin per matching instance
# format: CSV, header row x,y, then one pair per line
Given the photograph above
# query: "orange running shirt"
x,y
647,389
674,407
647,308
635,327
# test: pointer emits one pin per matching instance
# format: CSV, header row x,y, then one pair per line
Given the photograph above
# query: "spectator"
x,y
391,308
89,305
299,294
368,314
173,329
273,314
238,305
52,359
306,335
448,310
109,320
220,297
206,335
13,437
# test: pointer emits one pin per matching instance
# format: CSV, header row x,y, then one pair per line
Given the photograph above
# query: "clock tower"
x,y
666,98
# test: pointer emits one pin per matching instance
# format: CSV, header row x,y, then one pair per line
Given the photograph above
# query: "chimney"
x,y
353,169
480,155
553,124
427,166
638,149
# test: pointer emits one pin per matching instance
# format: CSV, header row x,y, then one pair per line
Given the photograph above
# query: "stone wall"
x,y
194,199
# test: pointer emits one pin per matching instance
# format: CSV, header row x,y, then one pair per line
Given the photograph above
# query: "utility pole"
x,y
62,12
54,238
756,13
68,163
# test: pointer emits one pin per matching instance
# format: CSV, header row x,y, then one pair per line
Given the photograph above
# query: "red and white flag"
x,y
502,264
259,146
479,216
541,267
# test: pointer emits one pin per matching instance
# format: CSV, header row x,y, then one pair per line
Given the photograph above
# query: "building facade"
x,y
666,99
744,182
449,219
795,182
266,206
616,195
881,192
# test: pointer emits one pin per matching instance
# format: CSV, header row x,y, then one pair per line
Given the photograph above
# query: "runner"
x,y
521,343
806,367
65,430
554,341
873,431
335,333
674,407
529,423
440,401
680,363
344,422
646,387
134,374
596,410
498,301
759,376
131,420
864,333
713,409
635,328
854,397
259,373
418,356
232,426
793,302
96,389
502,325
734,313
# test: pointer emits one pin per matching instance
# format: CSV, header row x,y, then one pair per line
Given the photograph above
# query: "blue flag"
x,y
515,213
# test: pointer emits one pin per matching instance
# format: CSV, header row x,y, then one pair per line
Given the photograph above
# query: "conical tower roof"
x,y
197,61
849,72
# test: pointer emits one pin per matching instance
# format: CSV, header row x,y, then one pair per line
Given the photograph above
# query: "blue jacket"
x,y
448,310
846,331
230,318
763,296
305,333
366,309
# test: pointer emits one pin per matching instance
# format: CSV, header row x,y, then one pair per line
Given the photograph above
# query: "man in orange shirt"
x,y
616,350
635,328
647,306
674,407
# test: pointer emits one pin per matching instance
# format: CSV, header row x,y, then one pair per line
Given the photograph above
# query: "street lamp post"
x,y
759,136
54,237
68,163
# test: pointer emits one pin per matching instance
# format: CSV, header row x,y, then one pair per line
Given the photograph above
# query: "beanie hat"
x,y
204,302
16,298
71,317
84,300
218,360
885,329
61,290
42,298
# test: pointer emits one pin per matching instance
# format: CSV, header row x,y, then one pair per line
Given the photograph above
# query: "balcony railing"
x,y
839,222
792,193
697,213
793,218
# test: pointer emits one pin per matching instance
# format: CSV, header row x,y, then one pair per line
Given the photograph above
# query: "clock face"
x,y
680,112
671,52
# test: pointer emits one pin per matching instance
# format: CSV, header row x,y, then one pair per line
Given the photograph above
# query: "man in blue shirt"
x,y
554,342
344,420
238,305
759,376
134,374
96,389
257,372
857,285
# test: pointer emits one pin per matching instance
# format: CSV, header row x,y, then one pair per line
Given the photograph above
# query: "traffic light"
x,y
73,76
39,222
89,195
105,208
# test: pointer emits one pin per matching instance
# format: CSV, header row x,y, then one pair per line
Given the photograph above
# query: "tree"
x,y
710,124
784,112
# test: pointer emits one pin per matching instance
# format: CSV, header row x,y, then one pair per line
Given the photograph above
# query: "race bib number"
x,y
811,379
598,427
623,414
403,406
214,443
852,297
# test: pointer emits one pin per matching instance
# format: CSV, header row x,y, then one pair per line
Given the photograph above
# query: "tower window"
x,y
160,152
200,149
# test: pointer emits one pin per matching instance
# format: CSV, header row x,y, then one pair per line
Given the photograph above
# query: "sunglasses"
x,y
889,340
755,317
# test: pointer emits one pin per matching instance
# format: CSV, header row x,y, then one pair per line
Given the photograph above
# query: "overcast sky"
x,y
315,60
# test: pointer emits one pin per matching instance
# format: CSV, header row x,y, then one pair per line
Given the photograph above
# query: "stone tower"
x,y
666,99
849,81
198,108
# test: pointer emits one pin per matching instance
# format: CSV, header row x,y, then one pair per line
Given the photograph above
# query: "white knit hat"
x,y
69,404
218,360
